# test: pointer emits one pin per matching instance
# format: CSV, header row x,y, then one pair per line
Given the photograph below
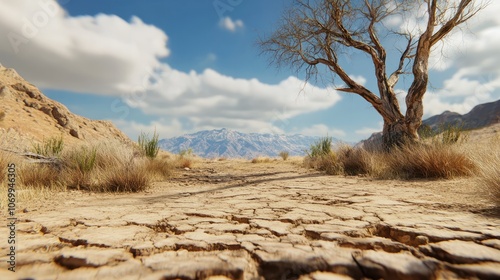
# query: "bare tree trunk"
x,y
397,133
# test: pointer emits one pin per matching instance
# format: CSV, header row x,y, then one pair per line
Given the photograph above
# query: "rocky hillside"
x,y
480,116
483,119
27,116
233,144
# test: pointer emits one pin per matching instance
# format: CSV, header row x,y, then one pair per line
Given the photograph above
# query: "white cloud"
x,y
165,128
101,54
230,24
359,79
470,54
210,99
107,55
323,130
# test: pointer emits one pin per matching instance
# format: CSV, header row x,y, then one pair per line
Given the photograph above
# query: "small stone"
x,y
422,240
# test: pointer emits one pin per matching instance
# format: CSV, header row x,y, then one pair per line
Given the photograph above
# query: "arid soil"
x,y
238,220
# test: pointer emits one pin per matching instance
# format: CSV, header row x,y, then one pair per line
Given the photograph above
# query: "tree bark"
x,y
399,132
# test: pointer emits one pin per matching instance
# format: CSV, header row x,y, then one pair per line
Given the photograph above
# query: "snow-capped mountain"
x,y
233,144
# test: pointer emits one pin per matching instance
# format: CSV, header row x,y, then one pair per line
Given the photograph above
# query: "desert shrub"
x,y
183,162
322,147
80,163
40,175
486,155
430,161
321,157
261,160
131,177
2,115
327,162
149,146
452,134
185,159
160,169
354,161
284,155
4,161
50,147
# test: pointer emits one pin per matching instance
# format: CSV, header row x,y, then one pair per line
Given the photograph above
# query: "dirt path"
x,y
262,221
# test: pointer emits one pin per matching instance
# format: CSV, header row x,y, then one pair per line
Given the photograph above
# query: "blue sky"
x,y
184,66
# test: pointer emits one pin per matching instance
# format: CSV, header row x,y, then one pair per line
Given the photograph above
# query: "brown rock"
x,y
382,265
462,252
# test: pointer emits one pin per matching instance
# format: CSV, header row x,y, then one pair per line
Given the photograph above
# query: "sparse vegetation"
x,y
51,147
40,176
452,134
429,161
261,160
185,159
284,155
186,153
160,168
322,147
125,178
80,163
2,115
149,146
434,160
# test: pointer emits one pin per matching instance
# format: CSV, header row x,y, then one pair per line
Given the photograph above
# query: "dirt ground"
x,y
276,220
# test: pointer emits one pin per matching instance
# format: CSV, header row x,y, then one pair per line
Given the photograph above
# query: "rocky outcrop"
x,y
35,117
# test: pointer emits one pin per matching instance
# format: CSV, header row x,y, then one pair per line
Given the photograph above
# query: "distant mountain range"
x,y
232,144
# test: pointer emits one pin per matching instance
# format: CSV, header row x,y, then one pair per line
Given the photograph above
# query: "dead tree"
x,y
317,32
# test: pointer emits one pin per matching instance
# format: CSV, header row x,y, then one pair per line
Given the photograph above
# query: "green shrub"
x,y
284,155
149,146
49,148
322,147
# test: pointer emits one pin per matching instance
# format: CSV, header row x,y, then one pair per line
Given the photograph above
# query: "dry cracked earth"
x,y
237,220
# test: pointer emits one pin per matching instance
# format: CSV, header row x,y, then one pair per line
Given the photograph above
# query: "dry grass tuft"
x,y
160,168
354,161
2,115
486,155
125,178
284,155
261,160
40,175
426,161
434,161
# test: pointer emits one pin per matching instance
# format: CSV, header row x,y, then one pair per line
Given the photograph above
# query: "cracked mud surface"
x,y
237,220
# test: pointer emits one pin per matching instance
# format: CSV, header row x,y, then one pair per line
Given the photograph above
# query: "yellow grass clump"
x,y
261,160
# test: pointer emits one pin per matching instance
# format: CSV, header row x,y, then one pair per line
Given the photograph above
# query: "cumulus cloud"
x,y
210,99
101,54
107,55
166,128
469,54
230,24
323,130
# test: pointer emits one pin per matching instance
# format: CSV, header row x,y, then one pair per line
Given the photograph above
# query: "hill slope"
x,y
233,144
480,116
27,116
